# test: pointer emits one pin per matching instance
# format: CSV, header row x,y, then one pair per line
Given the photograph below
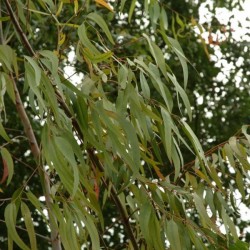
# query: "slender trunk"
x,y
55,240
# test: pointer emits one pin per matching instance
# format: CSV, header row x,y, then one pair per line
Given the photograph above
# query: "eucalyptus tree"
x,y
108,150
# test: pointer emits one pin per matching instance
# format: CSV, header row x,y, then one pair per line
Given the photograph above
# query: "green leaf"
x,y
158,55
29,225
179,52
97,58
173,235
10,215
52,59
196,144
205,220
4,18
167,132
228,154
163,20
144,219
8,58
121,5
156,13
244,131
131,10
233,144
6,82
239,245
144,86
66,149
240,184
3,133
122,76
229,223
132,141
197,240
9,162
36,69
36,203
82,33
31,78
49,93
100,21
180,22
92,232
182,93
158,84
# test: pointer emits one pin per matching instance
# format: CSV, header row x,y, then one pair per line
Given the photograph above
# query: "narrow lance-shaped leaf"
x,y
173,235
196,144
183,95
100,21
179,52
229,224
3,132
205,220
8,163
131,10
240,184
82,33
66,149
158,56
29,225
52,59
92,232
36,69
10,214
168,132
144,86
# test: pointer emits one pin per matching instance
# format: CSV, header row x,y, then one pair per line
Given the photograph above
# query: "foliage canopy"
x,y
111,153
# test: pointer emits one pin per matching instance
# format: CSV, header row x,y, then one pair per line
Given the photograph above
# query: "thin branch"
x,y
19,28
190,164
56,243
1,26
38,235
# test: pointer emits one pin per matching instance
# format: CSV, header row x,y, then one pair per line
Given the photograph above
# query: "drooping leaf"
x,y
183,95
36,68
29,225
131,10
173,235
66,150
102,24
8,163
82,33
3,133
10,215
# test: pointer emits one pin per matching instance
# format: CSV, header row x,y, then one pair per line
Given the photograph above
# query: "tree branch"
x,y
19,28
55,240
56,244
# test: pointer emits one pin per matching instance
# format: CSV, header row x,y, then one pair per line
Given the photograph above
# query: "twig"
x,y
23,229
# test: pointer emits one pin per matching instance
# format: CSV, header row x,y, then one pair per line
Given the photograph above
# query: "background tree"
x,y
114,147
